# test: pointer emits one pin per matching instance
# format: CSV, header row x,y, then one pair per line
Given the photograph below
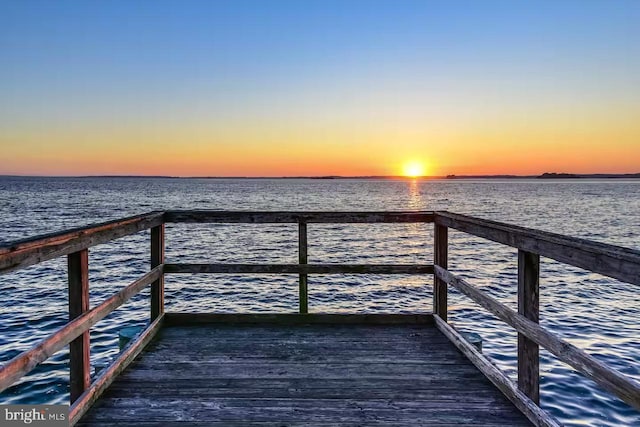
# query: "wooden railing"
x,y
303,269
612,261
74,244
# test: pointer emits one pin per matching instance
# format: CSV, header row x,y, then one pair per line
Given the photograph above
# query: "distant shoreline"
x,y
546,175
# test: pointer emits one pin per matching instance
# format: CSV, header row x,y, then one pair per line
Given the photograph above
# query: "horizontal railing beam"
x,y
188,318
23,253
528,407
610,379
613,261
25,362
106,377
300,268
252,217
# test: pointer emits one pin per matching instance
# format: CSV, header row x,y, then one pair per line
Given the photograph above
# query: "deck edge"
x,y
124,359
533,412
181,319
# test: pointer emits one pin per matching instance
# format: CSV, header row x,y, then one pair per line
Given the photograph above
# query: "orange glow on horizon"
x,y
308,149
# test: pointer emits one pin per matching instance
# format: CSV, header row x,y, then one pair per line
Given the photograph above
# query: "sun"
x,y
413,169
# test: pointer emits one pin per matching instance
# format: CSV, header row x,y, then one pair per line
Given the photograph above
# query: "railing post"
x,y
302,259
157,258
79,352
440,258
528,306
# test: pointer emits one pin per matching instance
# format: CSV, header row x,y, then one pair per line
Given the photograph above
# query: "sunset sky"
x,y
289,88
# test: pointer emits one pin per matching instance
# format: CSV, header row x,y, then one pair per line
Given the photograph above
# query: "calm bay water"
x,y
598,314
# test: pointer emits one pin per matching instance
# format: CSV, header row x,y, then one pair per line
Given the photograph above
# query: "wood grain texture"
x,y
528,407
84,402
253,217
303,297
440,257
529,307
610,379
26,361
299,268
79,348
157,258
23,253
613,261
421,379
175,319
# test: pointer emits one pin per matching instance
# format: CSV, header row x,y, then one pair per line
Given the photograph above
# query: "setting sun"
x,y
413,169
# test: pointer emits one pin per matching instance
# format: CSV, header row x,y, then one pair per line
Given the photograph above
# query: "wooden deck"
x,y
302,375
286,374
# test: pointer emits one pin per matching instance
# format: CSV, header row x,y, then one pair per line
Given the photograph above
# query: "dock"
x,y
321,372
307,368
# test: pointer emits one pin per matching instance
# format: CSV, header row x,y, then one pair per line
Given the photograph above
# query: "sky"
x,y
303,88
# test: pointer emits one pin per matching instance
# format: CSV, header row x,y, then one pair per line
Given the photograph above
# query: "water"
x,y
598,314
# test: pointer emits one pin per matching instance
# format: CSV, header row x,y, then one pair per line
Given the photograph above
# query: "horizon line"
x,y
551,175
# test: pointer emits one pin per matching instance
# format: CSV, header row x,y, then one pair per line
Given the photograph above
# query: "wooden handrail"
x,y
610,379
273,217
538,416
613,261
25,362
300,268
23,253
84,402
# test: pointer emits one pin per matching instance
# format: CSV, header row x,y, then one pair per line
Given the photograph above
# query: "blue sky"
x,y
189,64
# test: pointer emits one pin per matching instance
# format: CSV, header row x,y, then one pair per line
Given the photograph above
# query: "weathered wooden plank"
x,y
23,253
173,319
286,346
430,385
231,352
613,261
26,361
263,335
282,410
300,268
287,350
240,364
157,258
79,350
407,326
302,259
208,216
469,409
441,249
267,344
443,387
610,379
353,416
255,371
84,402
528,306
532,411
442,395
